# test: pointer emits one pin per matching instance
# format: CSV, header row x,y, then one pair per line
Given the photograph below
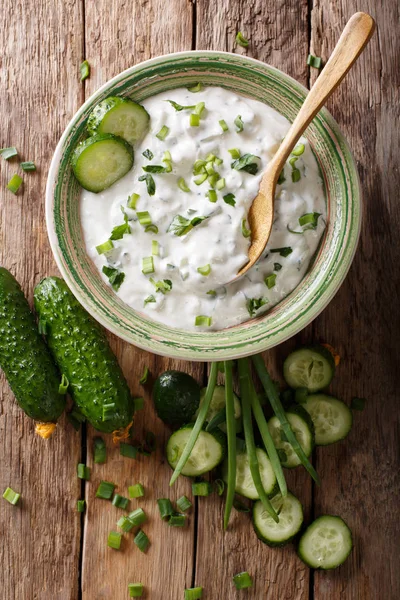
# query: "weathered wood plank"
x,y
360,476
39,91
278,35
119,35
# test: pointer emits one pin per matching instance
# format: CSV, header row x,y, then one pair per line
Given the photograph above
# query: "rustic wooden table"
x,y
47,551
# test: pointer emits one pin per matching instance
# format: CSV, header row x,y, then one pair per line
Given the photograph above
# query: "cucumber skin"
x,y
100,110
269,543
82,352
24,357
305,561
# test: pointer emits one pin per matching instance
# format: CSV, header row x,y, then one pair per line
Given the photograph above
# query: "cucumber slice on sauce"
x,y
218,404
244,480
326,543
290,513
209,450
311,367
303,429
100,161
121,117
332,418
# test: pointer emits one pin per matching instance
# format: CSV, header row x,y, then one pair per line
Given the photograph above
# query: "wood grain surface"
x,y
47,551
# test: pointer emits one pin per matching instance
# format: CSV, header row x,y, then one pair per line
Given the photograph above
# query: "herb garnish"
x,y
246,163
179,107
148,154
115,277
283,251
119,231
181,226
229,199
254,304
150,183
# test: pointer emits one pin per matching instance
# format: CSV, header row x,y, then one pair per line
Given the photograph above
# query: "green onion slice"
x,y
128,450
165,507
254,304
299,150
11,496
14,184
105,490
147,265
234,152
145,376
149,299
7,153
201,488
137,517
162,134
99,451
277,266
125,524
309,220
194,593
195,88
132,201
239,124
106,247
245,231
80,506
114,540
135,590
201,179
220,184
223,125
241,40
144,217
296,175
163,285
314,61
136,491
202,321
219,486
84,70
177,520
206,270
183,185
199,108
194,120
212,195
242,581
152,228
28,166
183,503
120,501
141,541
270,280
83,472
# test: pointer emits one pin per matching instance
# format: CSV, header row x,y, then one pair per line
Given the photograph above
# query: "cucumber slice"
x,y
326,543
209,450
100,161
244,481
218,404
121,117
311,367
290,513
332,418
303,429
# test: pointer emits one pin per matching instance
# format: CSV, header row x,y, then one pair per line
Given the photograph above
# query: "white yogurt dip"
x,y
217,244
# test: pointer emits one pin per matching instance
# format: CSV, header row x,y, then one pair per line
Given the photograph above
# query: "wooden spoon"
x,y
354,38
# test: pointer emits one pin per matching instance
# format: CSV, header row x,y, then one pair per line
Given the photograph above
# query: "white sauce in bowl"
x,y
218,240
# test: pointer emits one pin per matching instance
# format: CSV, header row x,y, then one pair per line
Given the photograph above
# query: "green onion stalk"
x,y
231,433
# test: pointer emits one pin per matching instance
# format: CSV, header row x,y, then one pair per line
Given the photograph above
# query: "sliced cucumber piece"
x,y
311,367
303,429
244,481
218,404
121,117
100,161
332,418
290,513
326,543
209,450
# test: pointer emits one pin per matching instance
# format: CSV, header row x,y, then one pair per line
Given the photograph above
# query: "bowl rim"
x,y
168,350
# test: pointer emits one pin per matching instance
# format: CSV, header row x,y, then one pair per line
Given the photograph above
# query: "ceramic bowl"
x,y
250,78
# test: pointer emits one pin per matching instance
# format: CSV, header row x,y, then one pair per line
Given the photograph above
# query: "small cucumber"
x,y
121,117
81,350
24,357
209,450
290,513
100,161
244,480
332,418
176,397
326,543
310,367
303,428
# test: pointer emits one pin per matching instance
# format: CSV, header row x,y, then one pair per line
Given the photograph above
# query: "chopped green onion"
x,y
201,179
210,169
108,411
154,248
137,517
234,152
219,486
314,61
62,388
218,161
247,162
83,472
220,184
154,169
177,520
145,375
138,403
210,157
201,488
144,217
212,195
206,270
245,232
162,134
202,321
229,199
241,40
179,107
119,231
270,280
114,540
85,70
277,266
213,179
151,228
147,265
125,524
242,581
184,503
183,185
223,125
163,286
115,277
194,120
14,184
296,175
199,166
120,501
148,154
254,304
11,496
283,251
299,150
136,491
100,451
132,201
199,108
127,450
7,153
80,506
212,293
150,183
106,247
141,541
149,299
194,593
292,161
135,590
105,490
195,88
28,166
239,124
165,507
310,219
357,403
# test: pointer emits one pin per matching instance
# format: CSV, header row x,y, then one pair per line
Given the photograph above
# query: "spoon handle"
x,y
354,38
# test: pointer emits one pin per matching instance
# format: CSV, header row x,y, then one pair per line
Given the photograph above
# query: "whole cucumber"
x,y
24,356
81,350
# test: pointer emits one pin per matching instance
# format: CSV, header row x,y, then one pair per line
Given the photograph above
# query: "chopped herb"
x,y
137,517
105,490
202,321
119,231
181,226
194,120
357,403
154,169
149,299
223,125
138,403
242,581
127,450
277,266
283,251
309,220
141,541
179,107
246,163
194,593
239,124
120,501
85,70
28,166
254,304
281,178
183,503
115,277
14,184
108,411
135,590
219,485
147,265
177,520
245,232
212,195
195,88
148,154
145,376
80,506
150,183
83,471
234,152
62,388
241,40
163,285
314,61
162,134
206,270
136,491
165,507
11,496
299,150
106,247
201,488
182,185
132,201
270,281
229,199
114,540
7,153
99,451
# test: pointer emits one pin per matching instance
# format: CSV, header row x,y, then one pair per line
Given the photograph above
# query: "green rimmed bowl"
x,y
250,78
